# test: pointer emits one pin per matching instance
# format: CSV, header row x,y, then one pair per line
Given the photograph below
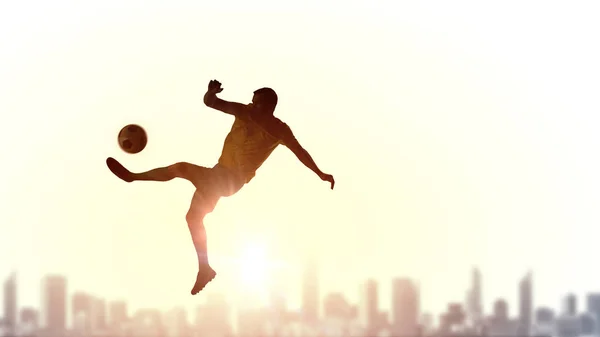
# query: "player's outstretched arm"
x,y
212,101
290,141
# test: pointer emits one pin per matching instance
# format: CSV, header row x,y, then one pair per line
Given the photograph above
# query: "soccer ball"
x,y
132,138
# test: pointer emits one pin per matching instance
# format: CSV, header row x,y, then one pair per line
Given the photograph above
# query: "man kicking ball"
x,y
253,137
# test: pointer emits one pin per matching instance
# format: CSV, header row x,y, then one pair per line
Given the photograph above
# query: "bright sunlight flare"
x,y
254,263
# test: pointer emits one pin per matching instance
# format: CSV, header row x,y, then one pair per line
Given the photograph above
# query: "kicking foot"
x,y
119,170
205,275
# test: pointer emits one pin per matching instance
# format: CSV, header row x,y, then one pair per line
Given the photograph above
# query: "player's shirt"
x,y
248,145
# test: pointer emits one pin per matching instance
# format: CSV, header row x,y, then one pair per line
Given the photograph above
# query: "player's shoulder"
x,y
279,122
245,111
276,127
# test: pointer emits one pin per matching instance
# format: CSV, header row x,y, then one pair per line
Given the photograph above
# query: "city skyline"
x,y
313,299
460,133
62,310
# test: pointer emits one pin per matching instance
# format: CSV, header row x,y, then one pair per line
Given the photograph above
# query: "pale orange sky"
x,y
459,134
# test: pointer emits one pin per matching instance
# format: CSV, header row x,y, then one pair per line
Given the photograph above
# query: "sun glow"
x,y
254,264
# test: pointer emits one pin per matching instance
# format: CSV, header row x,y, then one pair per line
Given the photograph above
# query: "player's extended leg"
x,y
201,205
183,170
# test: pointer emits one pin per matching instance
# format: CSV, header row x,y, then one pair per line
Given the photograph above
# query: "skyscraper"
x,y
525,305
593,307
500,323
544,322
117,313
98,314
81,310
474,305
501,309
29,316
149,322
336,306
54,303
369,305
10,304
427,322
405,307
176,322
29,322
544,315
587,322
310,293
277,302
215,315
570,305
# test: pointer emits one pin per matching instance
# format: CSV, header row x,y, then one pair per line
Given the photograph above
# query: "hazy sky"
x,y
460,133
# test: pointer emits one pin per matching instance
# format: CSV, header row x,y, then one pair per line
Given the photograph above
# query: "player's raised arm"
x,y
212,101
289,140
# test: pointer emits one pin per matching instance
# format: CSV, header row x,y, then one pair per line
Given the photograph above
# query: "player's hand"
x,y
329,178
214,86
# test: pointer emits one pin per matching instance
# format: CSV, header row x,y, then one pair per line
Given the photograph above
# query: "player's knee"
x,y
195,217
190,218
180,170
200,207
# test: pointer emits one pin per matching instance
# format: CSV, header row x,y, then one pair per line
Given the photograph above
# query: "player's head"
x,y
265,99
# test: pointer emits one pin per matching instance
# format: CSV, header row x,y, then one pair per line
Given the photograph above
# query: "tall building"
x,y
149,322
335,306
405,307
501,309
251,323
278,312
588,324
567,326
544,322
310,293
453,317
98,314
278,295
10,304
54,303
570,305
277,303
117,313
544,315
29,316
525,305
427,323
500,323
81,311
369,305
593,307
29,322
474,299
176,323
215,316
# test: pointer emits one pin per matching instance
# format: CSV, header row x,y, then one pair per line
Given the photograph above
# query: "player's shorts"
x,y
215,183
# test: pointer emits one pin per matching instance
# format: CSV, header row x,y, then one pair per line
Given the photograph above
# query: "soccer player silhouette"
x,y
255,133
